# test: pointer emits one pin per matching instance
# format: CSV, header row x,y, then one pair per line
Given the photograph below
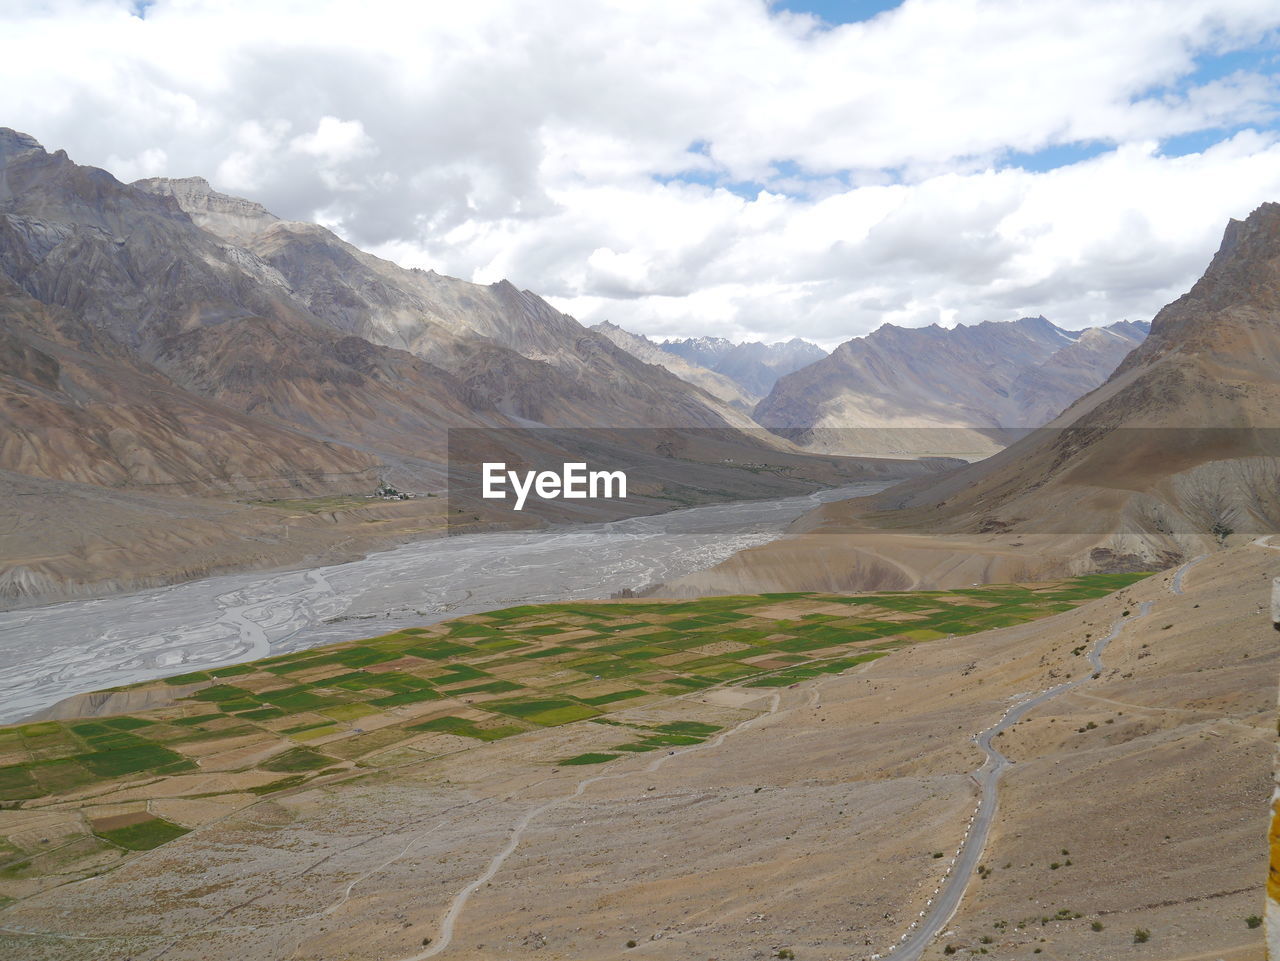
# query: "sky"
x,y
736,168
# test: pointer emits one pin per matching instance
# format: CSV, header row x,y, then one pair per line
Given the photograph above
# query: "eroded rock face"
x,y
232,218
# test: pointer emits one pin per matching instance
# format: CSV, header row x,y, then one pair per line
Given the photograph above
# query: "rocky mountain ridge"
x,y
511,349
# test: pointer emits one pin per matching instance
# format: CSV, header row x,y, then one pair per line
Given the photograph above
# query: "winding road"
x,y
944,903
1176,585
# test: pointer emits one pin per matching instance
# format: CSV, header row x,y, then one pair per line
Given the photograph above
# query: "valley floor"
x,y
819,820
68,541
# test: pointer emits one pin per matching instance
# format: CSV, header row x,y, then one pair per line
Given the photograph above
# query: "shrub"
x,y
1253,920
1141,936
1097,925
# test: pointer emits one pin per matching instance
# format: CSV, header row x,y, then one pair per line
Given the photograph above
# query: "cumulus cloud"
x,y
714,167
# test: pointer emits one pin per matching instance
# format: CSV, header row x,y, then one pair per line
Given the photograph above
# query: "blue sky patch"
x,y
836,12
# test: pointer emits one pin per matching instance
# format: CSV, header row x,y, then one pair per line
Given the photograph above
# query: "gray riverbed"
x,y
49,653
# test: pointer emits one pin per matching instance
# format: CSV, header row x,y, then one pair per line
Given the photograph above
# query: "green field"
x,y
433,690
318,505
145,836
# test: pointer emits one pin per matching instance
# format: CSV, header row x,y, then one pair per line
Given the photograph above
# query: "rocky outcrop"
x,y
232,218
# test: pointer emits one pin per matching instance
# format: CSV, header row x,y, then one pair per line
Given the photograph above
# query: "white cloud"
x,y
335,141
252,159
533,141
150,162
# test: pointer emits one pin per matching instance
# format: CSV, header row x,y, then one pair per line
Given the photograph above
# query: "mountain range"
x,y
944,389
1179,447
189,383
753,366
738,373
967,391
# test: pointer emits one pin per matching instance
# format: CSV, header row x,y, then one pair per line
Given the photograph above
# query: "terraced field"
x,y
80,795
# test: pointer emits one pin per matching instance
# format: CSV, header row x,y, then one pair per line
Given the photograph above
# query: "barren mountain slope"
x,y
74,406
1045,390
510,349
129,278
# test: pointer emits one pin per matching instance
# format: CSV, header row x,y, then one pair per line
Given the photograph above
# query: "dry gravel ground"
x,y
810,827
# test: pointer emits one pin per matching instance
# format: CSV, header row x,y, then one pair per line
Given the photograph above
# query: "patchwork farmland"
x,y
79,796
